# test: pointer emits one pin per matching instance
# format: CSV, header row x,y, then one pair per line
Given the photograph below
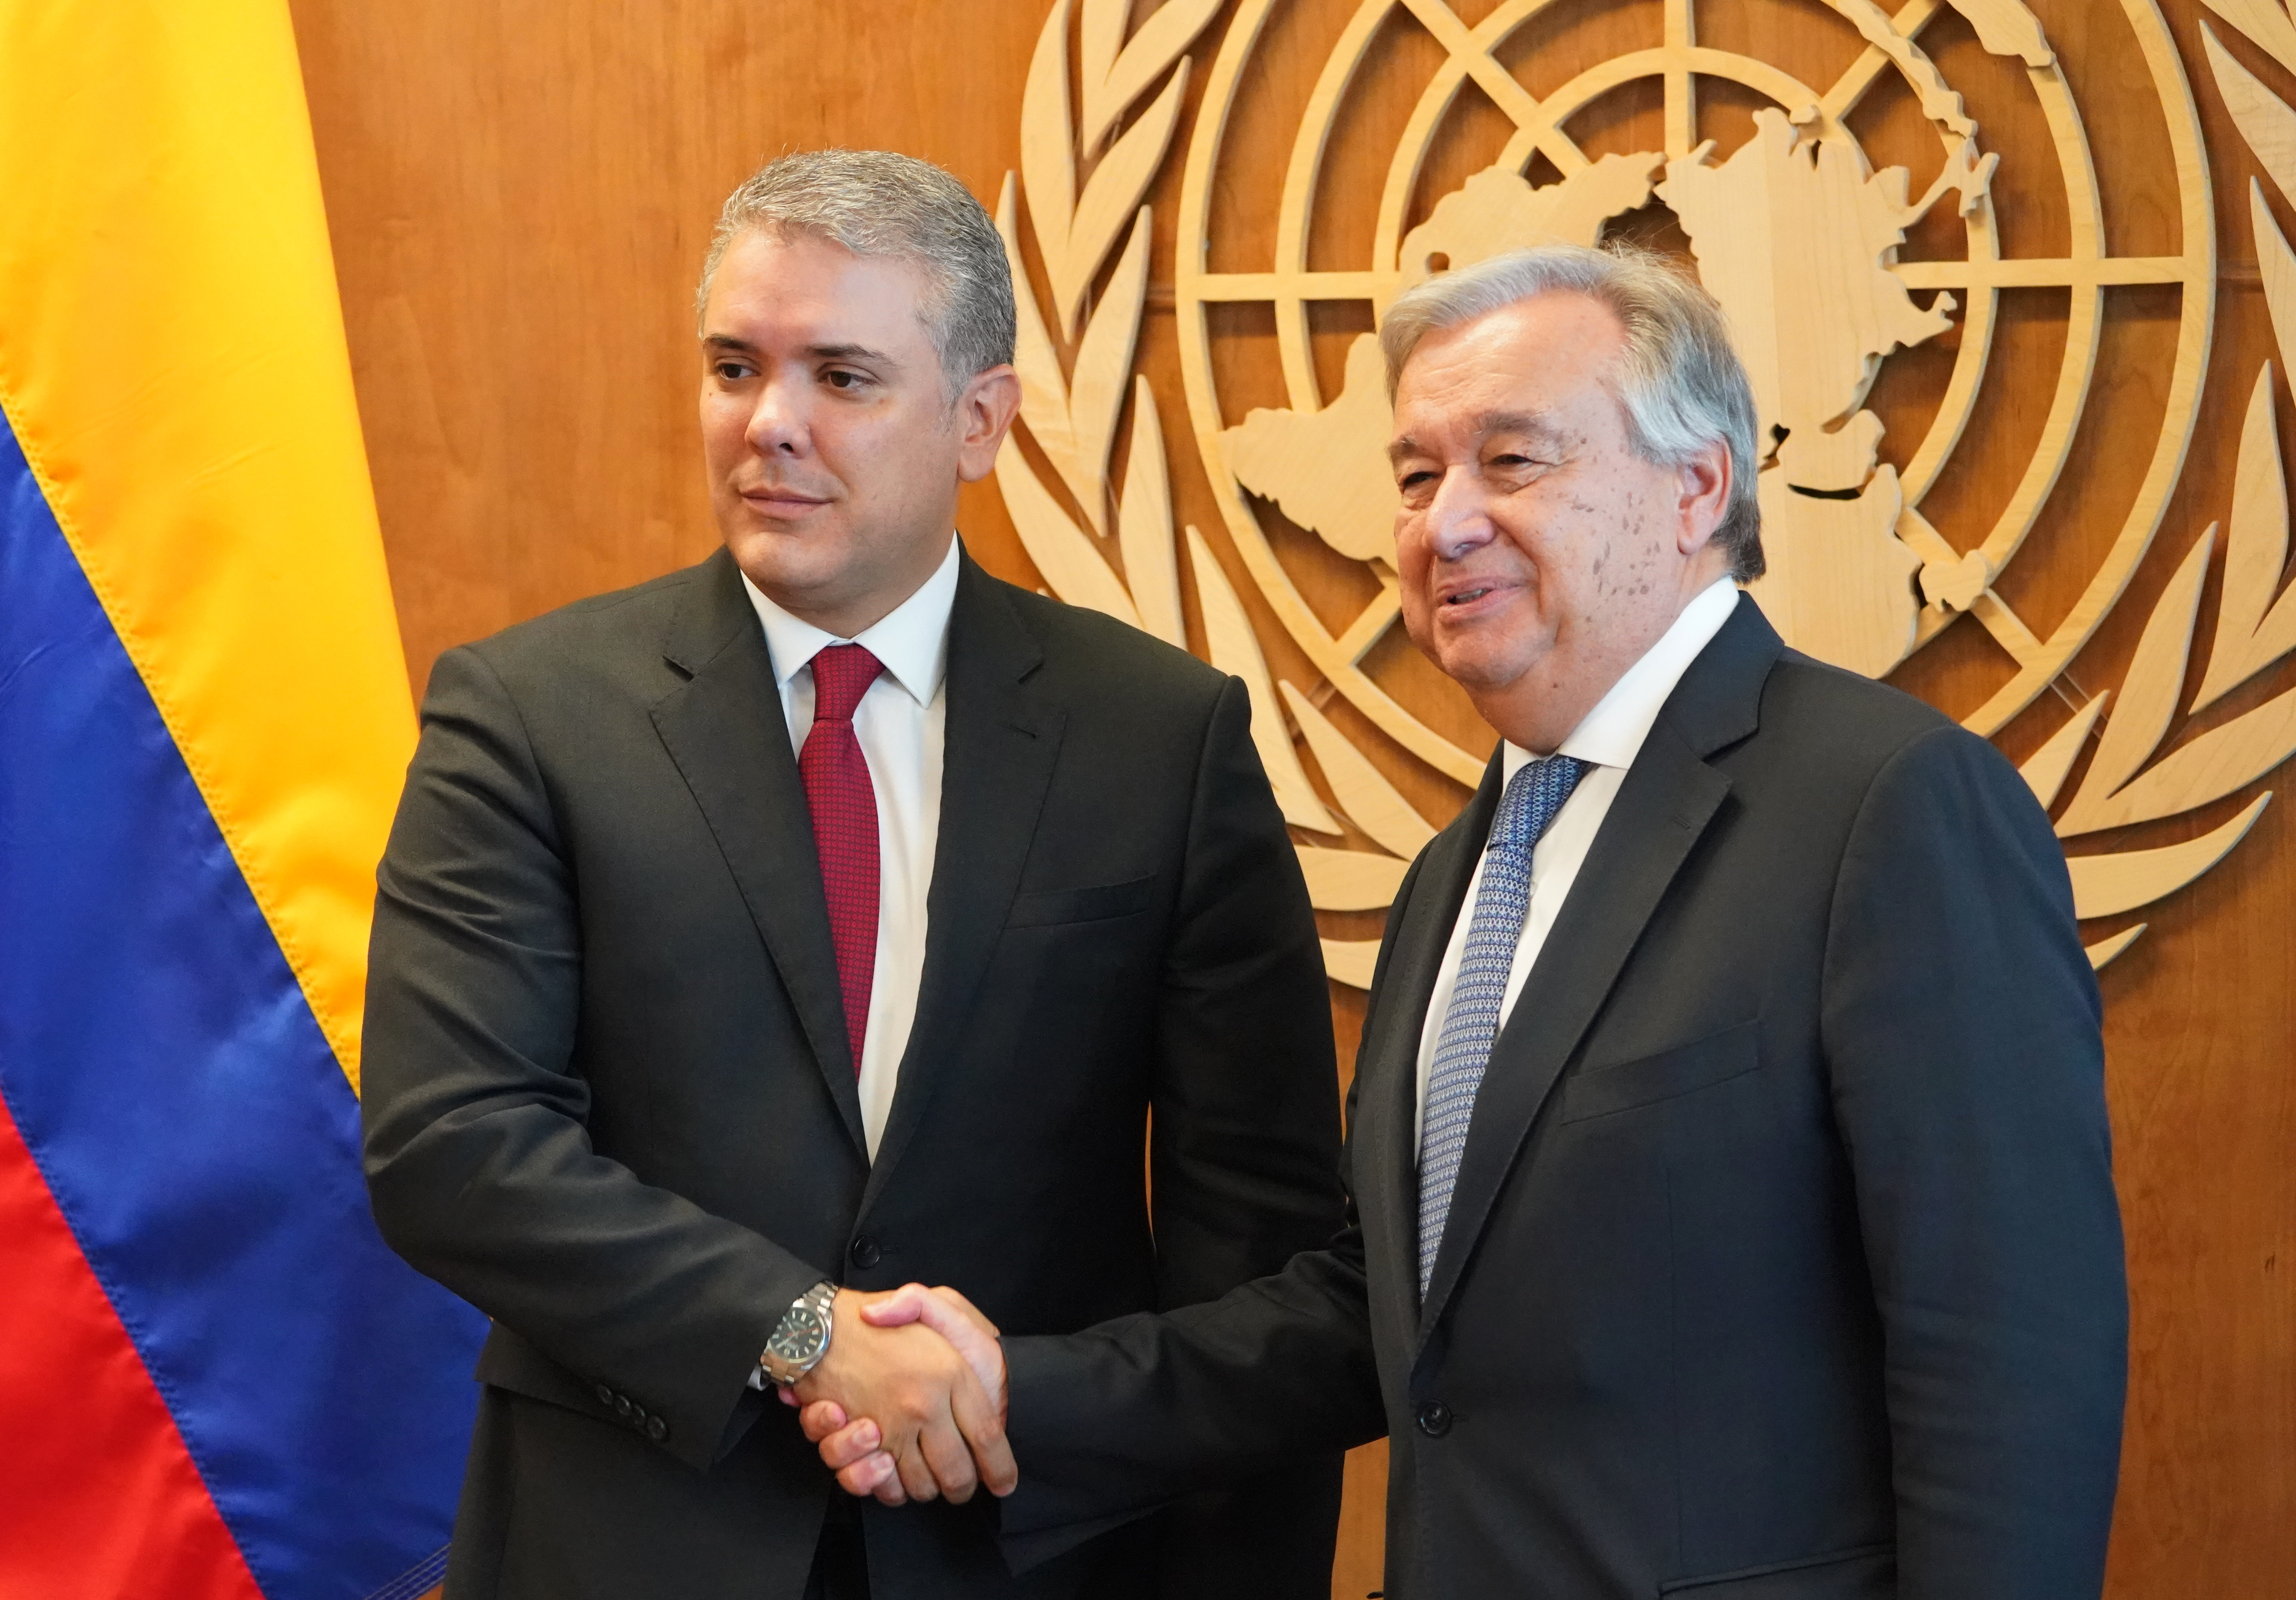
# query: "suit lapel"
x,y
1001,741
1384,1150
1662,809
724,729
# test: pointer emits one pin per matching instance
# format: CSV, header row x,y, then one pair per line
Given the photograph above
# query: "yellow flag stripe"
x,y
172,360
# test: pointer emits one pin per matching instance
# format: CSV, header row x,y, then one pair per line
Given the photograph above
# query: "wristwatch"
x,y
800,1339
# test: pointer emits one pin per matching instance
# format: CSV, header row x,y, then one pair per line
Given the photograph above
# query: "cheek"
x,y
872,452
1580,542
1413,557
1532,529
725,422
1412,566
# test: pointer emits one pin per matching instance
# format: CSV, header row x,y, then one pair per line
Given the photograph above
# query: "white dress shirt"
x,y
1609,737
901,723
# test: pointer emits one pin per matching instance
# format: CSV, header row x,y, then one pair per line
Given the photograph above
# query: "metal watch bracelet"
x,y
801,1337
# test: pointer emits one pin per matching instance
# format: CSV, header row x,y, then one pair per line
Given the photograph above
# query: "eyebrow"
x,y
1484,424
1537,423
818,352
850,352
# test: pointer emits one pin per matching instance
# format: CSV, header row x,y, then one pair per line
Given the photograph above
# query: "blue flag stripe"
x,y
185,1112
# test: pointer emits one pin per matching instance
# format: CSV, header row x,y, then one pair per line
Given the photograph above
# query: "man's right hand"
x,y
888,1456
909,1401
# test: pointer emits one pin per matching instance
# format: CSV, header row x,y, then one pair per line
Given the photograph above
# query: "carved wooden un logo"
x,y
1795,230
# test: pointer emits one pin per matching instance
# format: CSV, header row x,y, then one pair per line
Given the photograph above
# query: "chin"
x,y
1483,659
759,548
1477,671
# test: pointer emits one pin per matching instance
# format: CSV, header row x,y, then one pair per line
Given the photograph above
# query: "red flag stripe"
x,y
99,1499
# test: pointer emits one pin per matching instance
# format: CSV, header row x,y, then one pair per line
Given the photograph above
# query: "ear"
x,y
1702,484
984,415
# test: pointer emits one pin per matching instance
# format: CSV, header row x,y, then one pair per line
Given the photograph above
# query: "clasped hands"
x,y
909,1402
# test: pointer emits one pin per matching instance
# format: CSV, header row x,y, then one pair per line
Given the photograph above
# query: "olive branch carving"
x,y
1073,414
2254,628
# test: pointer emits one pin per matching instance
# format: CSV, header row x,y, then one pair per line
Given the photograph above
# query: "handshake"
x,y
907,1403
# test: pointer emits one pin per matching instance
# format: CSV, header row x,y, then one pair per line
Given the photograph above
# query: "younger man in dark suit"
x,y
827,915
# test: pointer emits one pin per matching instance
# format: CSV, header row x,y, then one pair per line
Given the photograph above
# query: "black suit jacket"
x,y
608,1098
1785,1260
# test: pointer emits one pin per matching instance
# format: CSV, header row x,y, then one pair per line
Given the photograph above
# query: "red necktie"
x,y
844,807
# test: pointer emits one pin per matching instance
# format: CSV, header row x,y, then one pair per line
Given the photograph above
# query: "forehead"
x,y
1551,355
770,287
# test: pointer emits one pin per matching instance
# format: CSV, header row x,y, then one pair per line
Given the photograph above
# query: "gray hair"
x,y
1678,380
875,202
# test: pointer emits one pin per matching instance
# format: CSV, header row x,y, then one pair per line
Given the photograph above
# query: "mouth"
x,y
1467,598
782,502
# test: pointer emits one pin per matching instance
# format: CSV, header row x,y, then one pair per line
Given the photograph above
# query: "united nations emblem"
x,y
1860,233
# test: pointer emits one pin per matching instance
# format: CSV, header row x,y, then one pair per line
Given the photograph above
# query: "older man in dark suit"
x,y
826,915
1733,1206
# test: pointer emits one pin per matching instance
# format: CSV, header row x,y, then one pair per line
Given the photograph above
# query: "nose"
x,y
1459,520
777,423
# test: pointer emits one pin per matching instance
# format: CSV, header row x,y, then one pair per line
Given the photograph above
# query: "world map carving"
x,y
1794,236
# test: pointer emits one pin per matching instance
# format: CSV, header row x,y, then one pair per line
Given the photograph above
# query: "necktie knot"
x,y
841,675
1531,798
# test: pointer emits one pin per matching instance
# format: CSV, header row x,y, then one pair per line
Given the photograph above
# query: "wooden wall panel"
x,y
520,195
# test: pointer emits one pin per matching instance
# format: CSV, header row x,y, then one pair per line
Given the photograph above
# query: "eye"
x,y
844,378
732,372
1514,466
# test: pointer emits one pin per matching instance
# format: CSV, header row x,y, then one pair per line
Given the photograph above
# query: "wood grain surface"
x,y
520,195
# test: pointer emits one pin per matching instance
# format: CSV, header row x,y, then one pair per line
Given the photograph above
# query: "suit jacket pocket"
x,y
1700,1064
1869,1572
1044,907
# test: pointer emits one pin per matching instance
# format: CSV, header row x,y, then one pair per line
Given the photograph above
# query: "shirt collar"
x,y
1611,734
911,640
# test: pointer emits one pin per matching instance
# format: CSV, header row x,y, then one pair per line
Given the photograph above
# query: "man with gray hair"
x,y
1732,1194
823,917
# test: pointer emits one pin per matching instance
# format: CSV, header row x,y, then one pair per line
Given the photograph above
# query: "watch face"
x,y
799,1337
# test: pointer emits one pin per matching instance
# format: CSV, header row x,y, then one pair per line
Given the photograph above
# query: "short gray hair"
x,y
1678,380
877,202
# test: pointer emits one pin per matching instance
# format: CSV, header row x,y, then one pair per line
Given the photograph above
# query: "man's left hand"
x,y
863,1446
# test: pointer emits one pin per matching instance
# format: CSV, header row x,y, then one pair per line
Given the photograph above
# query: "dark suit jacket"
x,y
1785,1260
608,1098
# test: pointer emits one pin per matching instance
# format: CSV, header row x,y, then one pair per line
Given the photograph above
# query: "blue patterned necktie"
x,y
1471,1025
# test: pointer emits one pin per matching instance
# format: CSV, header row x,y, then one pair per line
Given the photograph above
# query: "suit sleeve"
x,y
1961,1028
1244,1139
478,1158
1113,1421
1138,1411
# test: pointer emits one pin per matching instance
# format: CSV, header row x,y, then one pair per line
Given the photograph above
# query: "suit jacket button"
x,y
865,1254
1434,1419
622,1405
657,1430
605,1395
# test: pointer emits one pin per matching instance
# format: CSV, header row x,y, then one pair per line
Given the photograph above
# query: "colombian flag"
x,y
216,1381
